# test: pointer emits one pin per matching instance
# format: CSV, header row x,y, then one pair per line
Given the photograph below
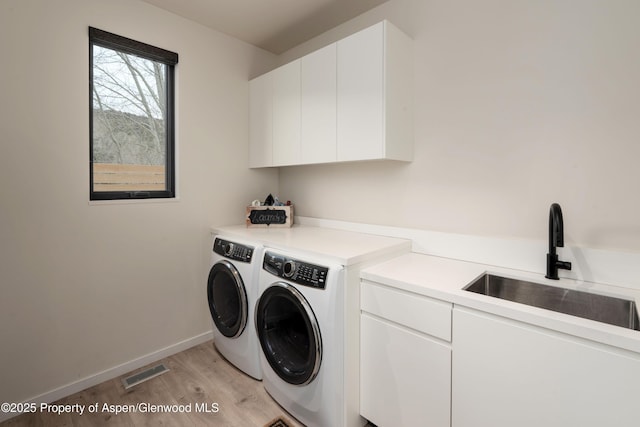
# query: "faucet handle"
x,y
565,265
553,264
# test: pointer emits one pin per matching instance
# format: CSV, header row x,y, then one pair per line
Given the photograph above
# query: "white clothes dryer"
x,y
300,326
232,291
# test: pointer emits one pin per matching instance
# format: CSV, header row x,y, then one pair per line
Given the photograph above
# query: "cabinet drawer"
x,y
427,315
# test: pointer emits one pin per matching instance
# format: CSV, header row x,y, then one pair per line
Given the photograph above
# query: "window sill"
x,y
133,201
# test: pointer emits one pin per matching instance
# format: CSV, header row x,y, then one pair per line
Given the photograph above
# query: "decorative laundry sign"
x,y
269,216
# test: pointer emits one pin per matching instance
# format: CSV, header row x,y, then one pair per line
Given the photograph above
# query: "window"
x,y
132,120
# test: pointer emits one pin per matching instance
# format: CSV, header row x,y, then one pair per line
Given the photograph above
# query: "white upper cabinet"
x,y
349,101
318,107
361,95
286,114
375,103
261,121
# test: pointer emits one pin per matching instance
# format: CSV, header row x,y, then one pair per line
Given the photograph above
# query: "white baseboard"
x,y
99,377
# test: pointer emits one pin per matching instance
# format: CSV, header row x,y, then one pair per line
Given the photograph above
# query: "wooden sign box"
x,y
269,216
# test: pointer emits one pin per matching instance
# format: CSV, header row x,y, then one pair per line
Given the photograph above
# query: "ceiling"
x,y
274,25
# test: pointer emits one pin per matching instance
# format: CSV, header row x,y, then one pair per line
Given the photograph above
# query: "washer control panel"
x,y
295,271
231,250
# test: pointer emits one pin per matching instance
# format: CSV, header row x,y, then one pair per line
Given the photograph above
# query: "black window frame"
x,y
170,60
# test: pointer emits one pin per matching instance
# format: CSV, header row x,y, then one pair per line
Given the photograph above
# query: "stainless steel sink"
x,y
611,310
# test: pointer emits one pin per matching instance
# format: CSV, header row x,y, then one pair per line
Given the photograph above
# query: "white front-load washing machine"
x,y
300,323
232,291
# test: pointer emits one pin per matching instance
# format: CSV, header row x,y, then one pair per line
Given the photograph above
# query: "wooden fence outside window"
x,y
117,177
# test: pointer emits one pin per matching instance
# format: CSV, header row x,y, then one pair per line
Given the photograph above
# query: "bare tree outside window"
x,y
130,119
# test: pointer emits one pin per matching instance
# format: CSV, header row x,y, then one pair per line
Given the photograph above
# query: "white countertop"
x,y
444,279
344,247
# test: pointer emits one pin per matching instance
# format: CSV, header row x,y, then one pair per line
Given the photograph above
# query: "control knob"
x,y
227,248
289,268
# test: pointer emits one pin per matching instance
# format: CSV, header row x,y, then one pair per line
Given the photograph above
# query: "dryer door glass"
x,y
227,299
289,334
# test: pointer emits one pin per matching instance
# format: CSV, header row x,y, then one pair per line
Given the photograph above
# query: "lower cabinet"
x,y
507,373
405,373
426,362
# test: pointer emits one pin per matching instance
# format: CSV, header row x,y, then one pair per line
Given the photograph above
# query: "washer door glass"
x,y
227,299
289,334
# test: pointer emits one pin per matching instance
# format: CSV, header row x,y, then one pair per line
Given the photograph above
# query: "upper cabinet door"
x,y
375,100
360,95
286,114
261,121
318,106
349,101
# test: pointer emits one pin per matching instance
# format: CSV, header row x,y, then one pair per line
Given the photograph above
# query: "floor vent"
x,y
143,376
278,422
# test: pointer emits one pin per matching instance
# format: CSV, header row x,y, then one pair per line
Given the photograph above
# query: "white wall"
x,y
86,287
518,104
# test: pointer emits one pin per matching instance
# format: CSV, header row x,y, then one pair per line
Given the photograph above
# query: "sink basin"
x,y
611,310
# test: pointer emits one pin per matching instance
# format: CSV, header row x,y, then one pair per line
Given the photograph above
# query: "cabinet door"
x,y
405,377
261,121
318,106
286,114
360,95
507,373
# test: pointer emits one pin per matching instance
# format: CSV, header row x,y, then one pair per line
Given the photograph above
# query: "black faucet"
x,y
556,239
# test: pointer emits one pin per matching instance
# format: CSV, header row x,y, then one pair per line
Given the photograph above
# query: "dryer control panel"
x,y
231,250
295,271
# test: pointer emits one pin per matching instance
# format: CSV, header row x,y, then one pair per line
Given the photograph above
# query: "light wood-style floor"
x,y
197,375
